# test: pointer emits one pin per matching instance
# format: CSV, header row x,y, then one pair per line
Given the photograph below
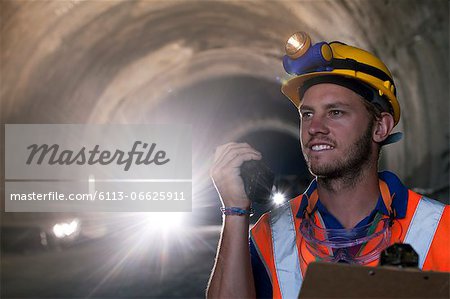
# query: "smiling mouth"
x,y
321,147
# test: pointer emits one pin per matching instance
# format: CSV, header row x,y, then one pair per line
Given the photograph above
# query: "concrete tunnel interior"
x,y
217,65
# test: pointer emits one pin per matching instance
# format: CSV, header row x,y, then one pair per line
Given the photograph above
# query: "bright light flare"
x,y
65,229
278,198
164,221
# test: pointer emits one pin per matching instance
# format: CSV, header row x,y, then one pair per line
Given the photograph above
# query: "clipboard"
x,y
332,280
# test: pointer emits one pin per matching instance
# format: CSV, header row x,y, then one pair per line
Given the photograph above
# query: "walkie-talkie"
x,y
258,180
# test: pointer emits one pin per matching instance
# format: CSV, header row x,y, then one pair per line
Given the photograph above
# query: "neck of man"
x,y
352,196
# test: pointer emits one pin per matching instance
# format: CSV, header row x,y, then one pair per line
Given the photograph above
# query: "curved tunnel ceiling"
x,y
120,62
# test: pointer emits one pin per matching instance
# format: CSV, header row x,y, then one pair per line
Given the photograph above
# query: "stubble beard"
x,y
351,165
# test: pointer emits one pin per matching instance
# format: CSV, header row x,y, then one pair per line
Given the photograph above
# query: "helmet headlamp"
x,y
317,57
297,45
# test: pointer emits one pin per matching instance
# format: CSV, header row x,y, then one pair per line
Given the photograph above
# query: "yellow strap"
x,y
386,195
312,200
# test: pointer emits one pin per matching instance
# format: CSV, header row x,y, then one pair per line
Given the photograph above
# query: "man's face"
x,y
336,131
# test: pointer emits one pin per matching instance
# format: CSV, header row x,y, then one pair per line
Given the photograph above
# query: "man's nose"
x,y
318,125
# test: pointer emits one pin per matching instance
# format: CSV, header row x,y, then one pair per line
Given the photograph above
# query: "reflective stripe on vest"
x,y
423,225
285,251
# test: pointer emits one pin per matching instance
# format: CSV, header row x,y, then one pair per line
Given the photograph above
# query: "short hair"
x,y
373,110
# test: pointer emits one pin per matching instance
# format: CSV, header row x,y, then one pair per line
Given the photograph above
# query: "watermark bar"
x,y
98,168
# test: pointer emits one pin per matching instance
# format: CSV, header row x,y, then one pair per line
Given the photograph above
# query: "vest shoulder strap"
x,y
287,263
423,226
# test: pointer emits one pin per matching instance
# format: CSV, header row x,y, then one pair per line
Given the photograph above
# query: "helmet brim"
x,y
291,88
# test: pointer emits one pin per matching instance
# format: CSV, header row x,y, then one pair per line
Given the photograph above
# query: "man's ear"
x,y
383,127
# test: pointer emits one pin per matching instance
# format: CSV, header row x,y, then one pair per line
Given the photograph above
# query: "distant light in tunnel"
x,y
66,229
278,198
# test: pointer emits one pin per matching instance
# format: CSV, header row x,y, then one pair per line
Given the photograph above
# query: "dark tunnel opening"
x,y
210,107
224,102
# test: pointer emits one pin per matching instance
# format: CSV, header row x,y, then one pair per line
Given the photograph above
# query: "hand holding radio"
x,y
226,173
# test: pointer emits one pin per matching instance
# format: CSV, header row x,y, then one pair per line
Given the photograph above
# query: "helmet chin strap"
x,y
394,137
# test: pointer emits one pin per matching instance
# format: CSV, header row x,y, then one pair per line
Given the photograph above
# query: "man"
x,y
348,108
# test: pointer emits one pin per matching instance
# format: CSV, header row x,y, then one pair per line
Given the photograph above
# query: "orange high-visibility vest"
x,y
278,241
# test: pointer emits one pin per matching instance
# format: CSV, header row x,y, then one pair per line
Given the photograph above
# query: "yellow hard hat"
x,y
336,59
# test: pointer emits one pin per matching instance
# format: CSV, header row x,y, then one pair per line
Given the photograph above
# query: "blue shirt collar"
x,y
397,190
